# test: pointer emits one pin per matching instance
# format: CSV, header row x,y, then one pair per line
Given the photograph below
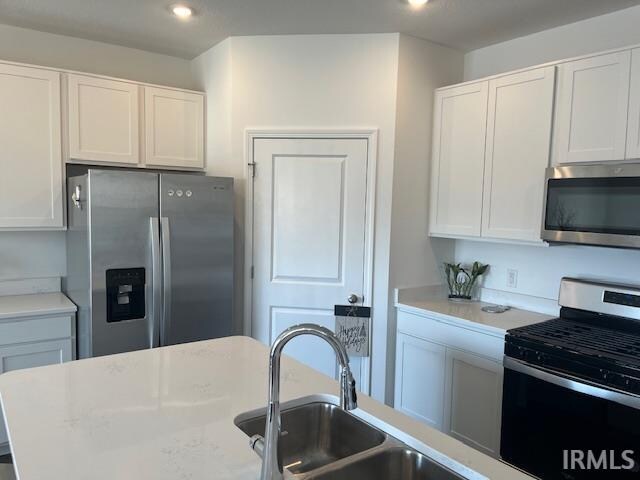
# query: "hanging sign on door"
x,y
353,327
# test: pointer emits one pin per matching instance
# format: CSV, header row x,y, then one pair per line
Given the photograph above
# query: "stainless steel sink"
x,y
320,441
317,434
394,463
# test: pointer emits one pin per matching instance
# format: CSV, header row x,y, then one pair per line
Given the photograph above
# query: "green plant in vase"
x,y
461,280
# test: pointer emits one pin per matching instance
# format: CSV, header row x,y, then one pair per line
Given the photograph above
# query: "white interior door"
x,y
309,228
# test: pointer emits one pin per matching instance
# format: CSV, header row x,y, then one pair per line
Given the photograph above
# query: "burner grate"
x,y
619,346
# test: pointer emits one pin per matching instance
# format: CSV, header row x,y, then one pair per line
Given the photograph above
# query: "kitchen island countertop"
x,y
168,413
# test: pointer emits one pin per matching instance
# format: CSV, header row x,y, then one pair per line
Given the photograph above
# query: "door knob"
x,y
353,298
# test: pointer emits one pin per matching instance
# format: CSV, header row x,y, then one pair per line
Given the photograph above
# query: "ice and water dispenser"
x,y
125,294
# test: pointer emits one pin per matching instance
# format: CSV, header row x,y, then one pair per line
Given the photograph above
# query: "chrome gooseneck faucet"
x,y
271,459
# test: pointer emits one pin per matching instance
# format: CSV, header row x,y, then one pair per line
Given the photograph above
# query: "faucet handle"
x,y
353,394
256,442
348,395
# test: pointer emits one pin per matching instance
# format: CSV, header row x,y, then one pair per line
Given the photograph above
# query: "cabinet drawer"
x,y
455,336
36,329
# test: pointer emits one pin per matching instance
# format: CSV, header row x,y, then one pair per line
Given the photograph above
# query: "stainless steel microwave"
x,y
593,205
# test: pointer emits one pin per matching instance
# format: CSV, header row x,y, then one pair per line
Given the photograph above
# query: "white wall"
x,y
42,254
617,29
415,258
540,269
212,73
32,255
313,81
58,51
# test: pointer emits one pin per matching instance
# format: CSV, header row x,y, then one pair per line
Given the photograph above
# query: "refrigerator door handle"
x,y
154,324
166,277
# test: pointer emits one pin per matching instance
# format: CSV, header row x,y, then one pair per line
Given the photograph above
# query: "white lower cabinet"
x,y
420,379
450,378
473,400
28,354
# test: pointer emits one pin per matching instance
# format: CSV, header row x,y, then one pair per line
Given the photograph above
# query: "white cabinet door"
x,y
592,100
174,128
30,148
633,132
103,120
28,355
420,379
460,124
518,146
473,400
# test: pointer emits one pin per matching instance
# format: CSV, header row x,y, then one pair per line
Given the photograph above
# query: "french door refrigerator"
x,y
149,259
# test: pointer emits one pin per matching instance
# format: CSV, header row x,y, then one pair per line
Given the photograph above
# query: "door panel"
x,y
473,400
120,206
29,355
592,103
517,154
420,370
311,351
174,128
103,120
30,148
460,125
308,196
309,238
199,213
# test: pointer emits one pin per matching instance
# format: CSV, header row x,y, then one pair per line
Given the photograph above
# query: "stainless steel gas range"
x,y
571,404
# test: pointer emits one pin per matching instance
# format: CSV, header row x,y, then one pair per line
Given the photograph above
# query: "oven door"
x,y
593,204
557,427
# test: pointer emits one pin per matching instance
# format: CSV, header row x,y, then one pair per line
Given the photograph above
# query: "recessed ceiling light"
x,y
182,11
417,3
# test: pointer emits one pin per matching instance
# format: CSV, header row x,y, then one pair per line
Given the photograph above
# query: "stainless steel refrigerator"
x,y
149,258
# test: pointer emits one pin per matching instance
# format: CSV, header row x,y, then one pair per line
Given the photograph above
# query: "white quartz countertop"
x,y
167,414
470,314
16,306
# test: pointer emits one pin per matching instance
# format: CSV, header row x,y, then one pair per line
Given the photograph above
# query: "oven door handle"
x,y
573,383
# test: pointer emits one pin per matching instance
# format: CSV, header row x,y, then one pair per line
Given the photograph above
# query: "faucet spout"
x,y
272,459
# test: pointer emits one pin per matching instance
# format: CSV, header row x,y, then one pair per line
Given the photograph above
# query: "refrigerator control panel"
x,y
125,294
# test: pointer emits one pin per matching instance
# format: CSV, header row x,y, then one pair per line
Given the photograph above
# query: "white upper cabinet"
x,y
31,193
460,124
592,104
633,132
517,154
174,132
103,120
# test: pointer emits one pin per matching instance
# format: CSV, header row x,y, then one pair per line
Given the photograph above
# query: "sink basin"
x,y
394,463
317,434
320,441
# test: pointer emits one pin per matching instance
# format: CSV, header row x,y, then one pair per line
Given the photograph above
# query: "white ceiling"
x,y
148,25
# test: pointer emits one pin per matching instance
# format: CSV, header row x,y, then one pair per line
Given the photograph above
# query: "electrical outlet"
x,y
512,278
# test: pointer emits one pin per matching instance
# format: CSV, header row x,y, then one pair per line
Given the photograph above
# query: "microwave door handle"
x,y
154,323
165,327
572,383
